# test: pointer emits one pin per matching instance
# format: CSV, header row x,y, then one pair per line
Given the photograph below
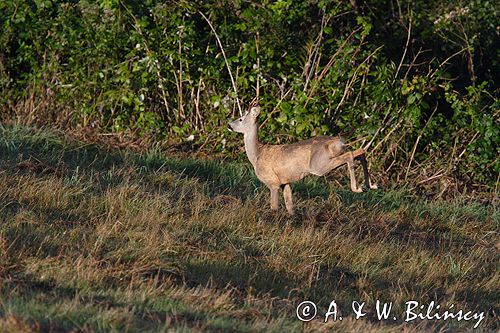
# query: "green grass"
x,y
95,239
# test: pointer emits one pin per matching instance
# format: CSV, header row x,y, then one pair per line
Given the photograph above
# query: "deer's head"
x,y
247,122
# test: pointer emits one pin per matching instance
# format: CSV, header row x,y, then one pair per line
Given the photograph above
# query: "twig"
x,y
417,141
351,143
412,64
275,108
258,64
328,65
404,52
353,78
137,27
314,56
470,142
179,86
198,117
383,126
437,175
225,59
446,60
332,59
387,135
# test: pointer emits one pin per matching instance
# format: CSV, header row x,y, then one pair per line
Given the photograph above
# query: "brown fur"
x,y
279,165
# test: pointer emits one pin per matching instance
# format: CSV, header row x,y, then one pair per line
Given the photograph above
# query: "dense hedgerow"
x,y
419,77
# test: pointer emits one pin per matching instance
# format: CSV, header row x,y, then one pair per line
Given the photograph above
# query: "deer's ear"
x,y
255,110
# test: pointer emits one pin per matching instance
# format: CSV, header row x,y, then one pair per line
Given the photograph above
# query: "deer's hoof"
x,y
357,190
373,186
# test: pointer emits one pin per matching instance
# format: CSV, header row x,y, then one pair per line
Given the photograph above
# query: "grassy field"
x,y
96,239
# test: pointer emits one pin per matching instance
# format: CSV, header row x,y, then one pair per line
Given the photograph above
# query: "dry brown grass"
x,y
123,242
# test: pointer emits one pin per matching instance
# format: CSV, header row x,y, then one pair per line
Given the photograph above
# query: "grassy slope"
x,y
97,240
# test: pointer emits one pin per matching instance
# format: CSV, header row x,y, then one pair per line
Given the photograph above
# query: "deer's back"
x,y
283,164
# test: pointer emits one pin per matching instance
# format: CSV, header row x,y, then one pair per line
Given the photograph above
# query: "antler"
x,y
255,101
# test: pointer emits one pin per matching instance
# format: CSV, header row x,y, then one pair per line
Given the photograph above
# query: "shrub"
x,y
419,79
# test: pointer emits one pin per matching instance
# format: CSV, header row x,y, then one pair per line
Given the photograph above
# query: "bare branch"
x,y
404,52
225,59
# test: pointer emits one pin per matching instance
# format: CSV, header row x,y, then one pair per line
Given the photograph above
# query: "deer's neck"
x,y
252,145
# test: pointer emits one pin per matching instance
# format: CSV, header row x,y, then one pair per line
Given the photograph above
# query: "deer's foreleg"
x,y
274,197
287,195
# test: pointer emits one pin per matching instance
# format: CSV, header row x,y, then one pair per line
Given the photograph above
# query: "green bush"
x,y
421,78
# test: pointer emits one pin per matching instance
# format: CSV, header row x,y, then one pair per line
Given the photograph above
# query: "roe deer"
x,y
279,165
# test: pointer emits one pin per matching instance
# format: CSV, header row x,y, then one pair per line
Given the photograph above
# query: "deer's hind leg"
x,y
320,167
352,176
368,182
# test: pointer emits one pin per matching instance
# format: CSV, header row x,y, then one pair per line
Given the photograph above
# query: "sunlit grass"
x,y
96,240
